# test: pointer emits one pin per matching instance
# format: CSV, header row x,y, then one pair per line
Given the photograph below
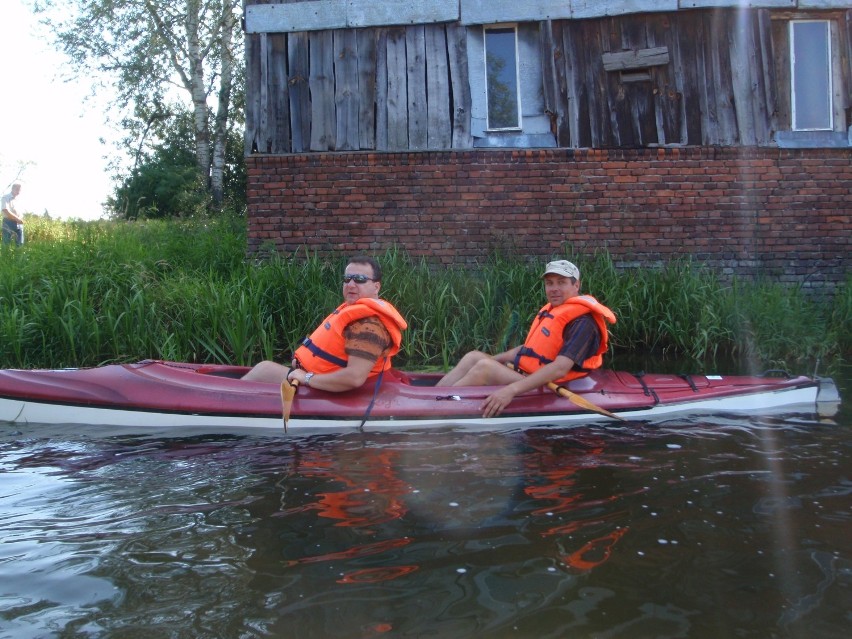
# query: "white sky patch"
x,y
49,123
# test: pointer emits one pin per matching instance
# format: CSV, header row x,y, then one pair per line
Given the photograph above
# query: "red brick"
x,y
725,201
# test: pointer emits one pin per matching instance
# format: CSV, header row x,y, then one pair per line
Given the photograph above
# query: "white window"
x,y
810,56
501,70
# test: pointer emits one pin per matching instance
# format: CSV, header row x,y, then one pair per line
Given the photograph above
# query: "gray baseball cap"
x,y
563,268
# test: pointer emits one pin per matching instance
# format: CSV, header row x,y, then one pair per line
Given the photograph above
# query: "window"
x,y
810,56
501,69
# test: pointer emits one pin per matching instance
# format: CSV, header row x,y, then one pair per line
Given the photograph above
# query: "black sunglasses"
x,y
357,278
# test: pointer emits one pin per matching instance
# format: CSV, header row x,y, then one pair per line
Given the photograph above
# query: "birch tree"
x,y
148,48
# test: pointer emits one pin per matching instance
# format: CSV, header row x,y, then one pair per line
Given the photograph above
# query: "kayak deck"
x,y
162,394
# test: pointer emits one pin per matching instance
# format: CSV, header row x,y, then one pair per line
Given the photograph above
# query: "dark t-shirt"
x,y
581,339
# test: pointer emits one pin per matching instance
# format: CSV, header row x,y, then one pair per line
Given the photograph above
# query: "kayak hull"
x,y
167,395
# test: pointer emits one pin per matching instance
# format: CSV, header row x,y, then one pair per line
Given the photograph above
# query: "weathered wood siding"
x,y
697,77
397,88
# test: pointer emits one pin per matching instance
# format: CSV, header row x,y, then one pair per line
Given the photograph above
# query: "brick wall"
x,y
776,212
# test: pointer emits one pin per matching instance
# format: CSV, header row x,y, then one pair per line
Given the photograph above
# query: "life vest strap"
x,y
528,352
531,353
316,351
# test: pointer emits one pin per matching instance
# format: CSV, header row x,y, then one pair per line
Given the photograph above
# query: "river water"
x,y
719,527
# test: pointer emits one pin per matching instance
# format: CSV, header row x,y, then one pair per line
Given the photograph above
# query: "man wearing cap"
x,y
567,340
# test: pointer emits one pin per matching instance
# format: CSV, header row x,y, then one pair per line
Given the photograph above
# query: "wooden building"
x,y
651,129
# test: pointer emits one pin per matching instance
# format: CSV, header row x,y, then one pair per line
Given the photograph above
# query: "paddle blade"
x,y
582,402
288,392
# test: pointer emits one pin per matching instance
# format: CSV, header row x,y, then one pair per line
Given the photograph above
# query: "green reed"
x,y
87,293
840,319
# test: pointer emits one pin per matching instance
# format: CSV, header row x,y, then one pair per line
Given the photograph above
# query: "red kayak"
x,y
159,394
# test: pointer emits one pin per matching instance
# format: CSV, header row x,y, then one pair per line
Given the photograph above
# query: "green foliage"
x,y
676,309
165,181
86,293
841,318
159,188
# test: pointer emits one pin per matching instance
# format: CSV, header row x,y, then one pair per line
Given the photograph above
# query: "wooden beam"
x,y
637,59
321,86
299,91
439,134
415,50
346,95
314,15
493,11
397,91
457,59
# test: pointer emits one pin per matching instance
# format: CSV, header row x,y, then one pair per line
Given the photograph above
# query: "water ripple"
x,y
686,528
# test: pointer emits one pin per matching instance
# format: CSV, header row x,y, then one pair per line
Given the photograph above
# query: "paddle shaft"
x,y
582,402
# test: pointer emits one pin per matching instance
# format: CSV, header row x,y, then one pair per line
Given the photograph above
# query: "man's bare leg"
x,y
267,372
461,369
488,372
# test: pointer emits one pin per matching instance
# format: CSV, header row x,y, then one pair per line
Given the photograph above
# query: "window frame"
x,y
518,126
829,71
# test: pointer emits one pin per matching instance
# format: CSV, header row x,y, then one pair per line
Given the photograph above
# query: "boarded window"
x,y
501,68
810,55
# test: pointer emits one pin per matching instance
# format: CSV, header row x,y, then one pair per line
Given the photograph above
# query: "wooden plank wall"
x,y
719,87
397,93
390,89
461,99
726,82
299,94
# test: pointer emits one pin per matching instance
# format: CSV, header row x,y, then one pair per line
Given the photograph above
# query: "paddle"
x,y
288,391
582,402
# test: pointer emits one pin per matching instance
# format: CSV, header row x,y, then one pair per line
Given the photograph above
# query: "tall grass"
x,y
87,293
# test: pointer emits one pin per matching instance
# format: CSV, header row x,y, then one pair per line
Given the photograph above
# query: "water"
x,y
690,528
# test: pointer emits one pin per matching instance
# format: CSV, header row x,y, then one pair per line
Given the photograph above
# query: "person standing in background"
x,y
13,223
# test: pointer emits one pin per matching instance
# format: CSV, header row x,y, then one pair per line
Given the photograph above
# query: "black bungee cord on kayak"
x,y
373,400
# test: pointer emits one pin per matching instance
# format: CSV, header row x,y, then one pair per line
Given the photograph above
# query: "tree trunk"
x,y
198,91
220,130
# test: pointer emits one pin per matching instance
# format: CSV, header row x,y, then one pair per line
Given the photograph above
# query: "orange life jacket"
x,y
324,350
544,339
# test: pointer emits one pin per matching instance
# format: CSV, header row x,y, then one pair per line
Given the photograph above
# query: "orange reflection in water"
x,y
374,493
364,550
377,629
557,469
559,482
375,575
594,552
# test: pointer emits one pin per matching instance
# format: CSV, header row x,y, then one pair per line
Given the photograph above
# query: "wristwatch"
x,y
308,378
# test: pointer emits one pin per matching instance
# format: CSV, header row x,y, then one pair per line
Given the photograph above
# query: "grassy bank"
x,y
88,293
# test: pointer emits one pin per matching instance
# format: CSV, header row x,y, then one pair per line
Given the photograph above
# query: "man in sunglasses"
x,y
567,340
352,344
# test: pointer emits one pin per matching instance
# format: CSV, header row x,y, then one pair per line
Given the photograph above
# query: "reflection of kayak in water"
x,y
156,394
